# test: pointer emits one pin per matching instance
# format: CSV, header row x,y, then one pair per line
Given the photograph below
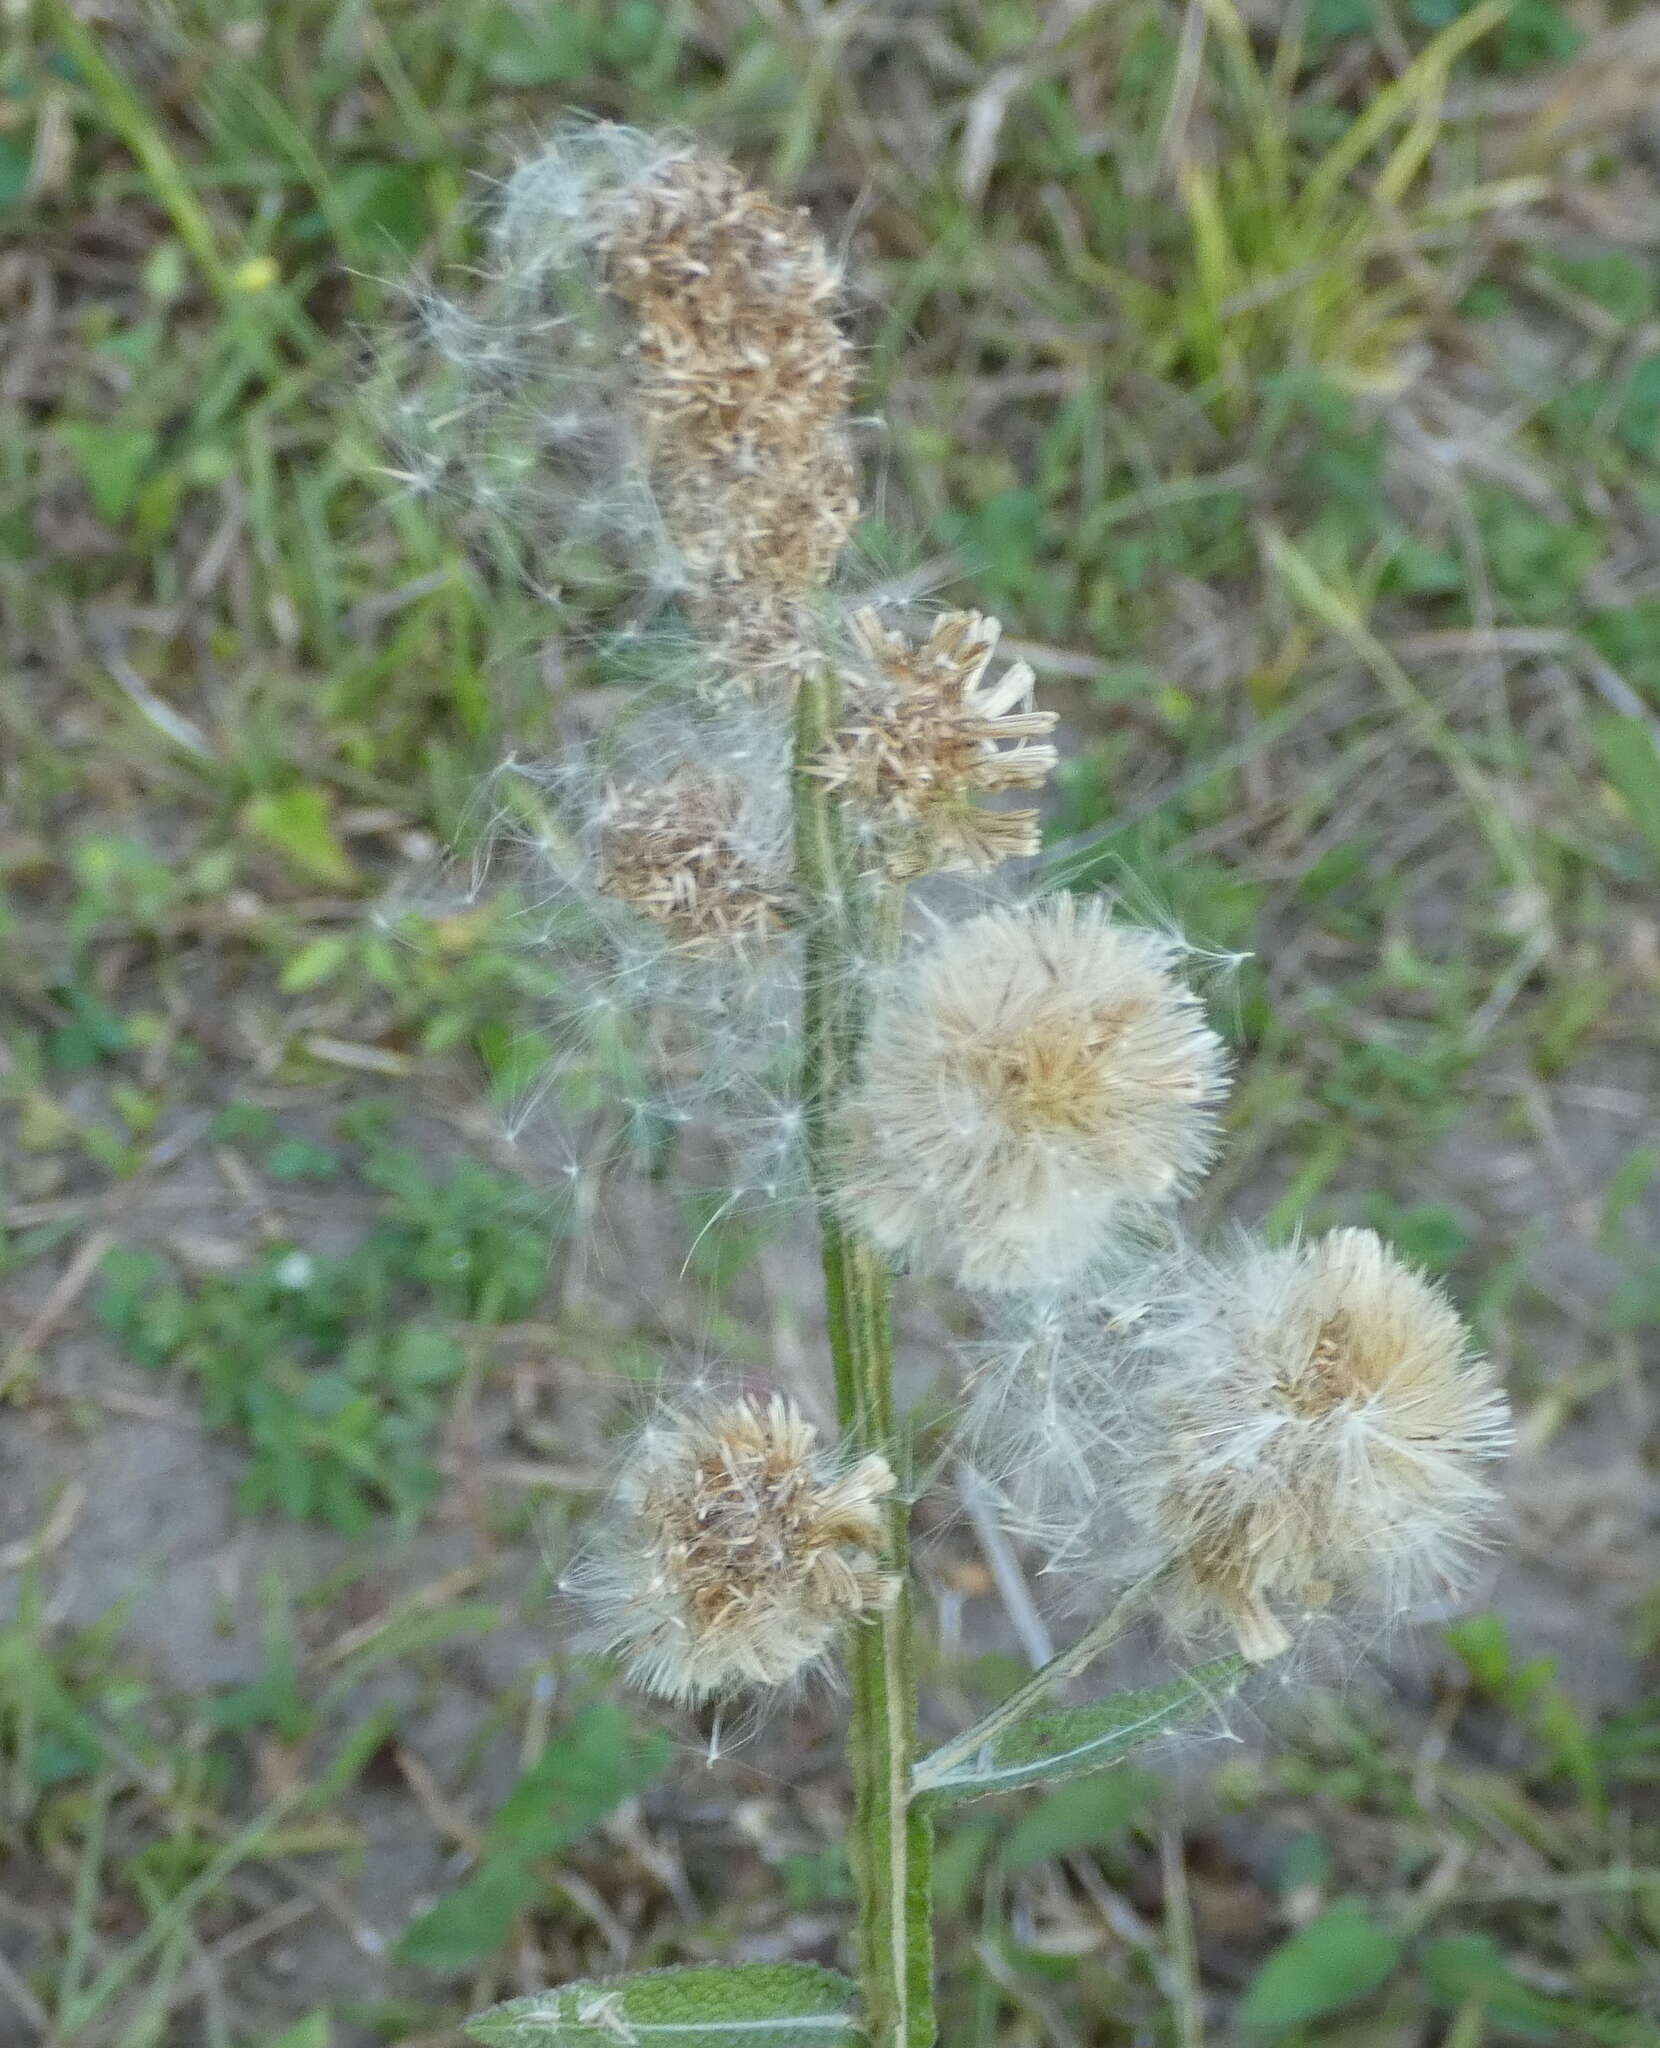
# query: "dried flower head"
x,y
925,734
1029,1077
736,1551
740,376
1319,1424
646,380
645,873
678,853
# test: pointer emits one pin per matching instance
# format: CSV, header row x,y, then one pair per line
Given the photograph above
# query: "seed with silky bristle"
x,y
924,734
1320,1425
676,852
736,1551
1030,1078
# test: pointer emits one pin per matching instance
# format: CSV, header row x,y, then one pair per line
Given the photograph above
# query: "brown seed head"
x,y
740,376
925,734
676,852
743,1550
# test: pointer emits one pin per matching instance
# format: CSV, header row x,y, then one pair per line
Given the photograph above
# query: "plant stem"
x,y
851,921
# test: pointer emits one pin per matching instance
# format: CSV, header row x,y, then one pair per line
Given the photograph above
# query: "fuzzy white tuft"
x,y
1046,1415
646,878
735,1551
1316,1425
1031,1079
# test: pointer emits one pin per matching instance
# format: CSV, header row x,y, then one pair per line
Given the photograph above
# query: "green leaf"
x,y
1461,1967
17,158
1334,1961
314,2031
749,2005
1465,1970
1081,1817
957,1861
113,461
1631,762
537,48
297,822
585,1770
317,961
475,1919
387,203
1067,1741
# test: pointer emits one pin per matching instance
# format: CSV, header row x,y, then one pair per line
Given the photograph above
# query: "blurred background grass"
x,y
1287,377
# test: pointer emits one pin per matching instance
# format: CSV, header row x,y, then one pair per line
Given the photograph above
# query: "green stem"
x,y
850,922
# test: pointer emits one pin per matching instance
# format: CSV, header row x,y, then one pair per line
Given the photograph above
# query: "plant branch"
x,y
1025,1697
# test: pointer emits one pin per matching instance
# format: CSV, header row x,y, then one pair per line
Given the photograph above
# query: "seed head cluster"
x,y
654,378
736,1552
1031,1076
1260,1434
649,381
925,734
741,375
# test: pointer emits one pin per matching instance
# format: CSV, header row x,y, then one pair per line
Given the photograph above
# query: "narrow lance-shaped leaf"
x,y
749,2005
1064,1742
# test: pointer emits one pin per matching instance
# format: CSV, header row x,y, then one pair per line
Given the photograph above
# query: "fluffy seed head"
x,y
1030,1078
1320,1425
645,873
740,375
924,734
737,1551
676,852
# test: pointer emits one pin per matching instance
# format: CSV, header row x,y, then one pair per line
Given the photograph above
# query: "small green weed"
x,y
334,1369
591,1766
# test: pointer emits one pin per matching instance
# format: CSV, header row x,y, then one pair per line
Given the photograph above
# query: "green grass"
x,y
1297,403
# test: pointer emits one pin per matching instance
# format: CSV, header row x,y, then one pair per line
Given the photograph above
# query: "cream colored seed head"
x,y
740,376
738,1551
924,735
675,851
1031,1076
1322,1427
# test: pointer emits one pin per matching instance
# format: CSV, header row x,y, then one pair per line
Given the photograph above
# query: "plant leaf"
x,y
1064,1742
112,460
749,2005
1334,1961
1079,1817
296,821
586,1770
1631,762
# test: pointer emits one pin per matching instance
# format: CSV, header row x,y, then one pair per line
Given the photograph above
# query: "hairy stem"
x,y
851,922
